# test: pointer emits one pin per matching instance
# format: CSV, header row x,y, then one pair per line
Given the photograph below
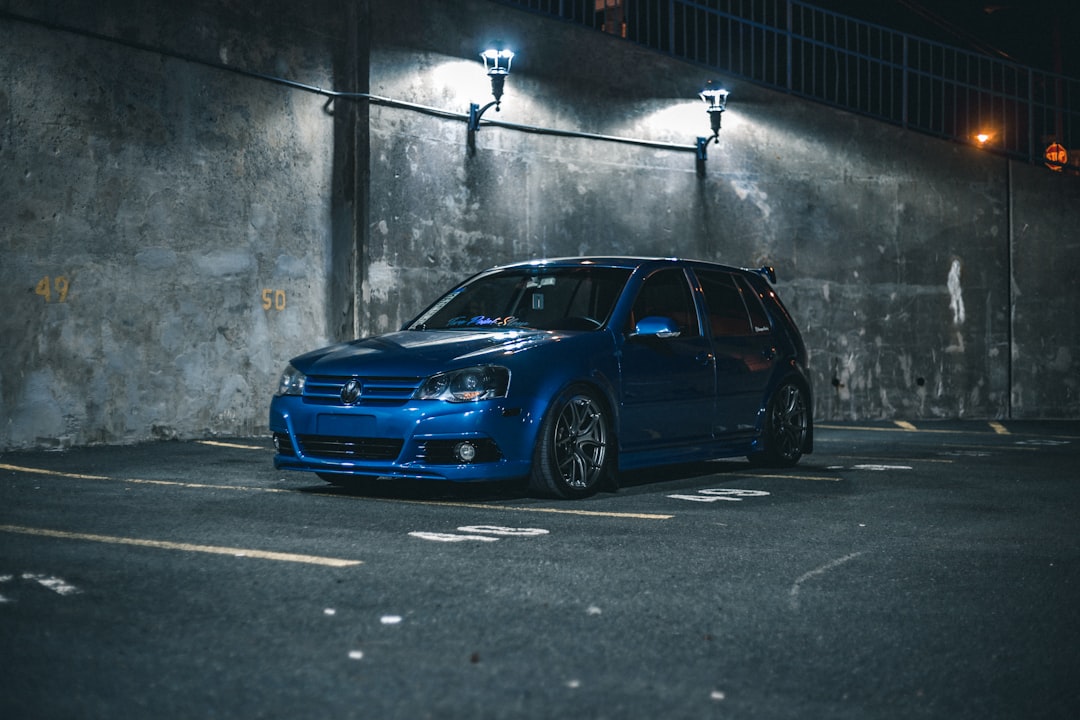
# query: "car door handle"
x,y
704,358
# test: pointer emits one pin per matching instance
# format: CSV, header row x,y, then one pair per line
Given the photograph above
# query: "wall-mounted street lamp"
x,y
497,64
715,98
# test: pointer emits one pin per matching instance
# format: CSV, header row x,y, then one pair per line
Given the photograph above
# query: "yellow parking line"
x,y
203,486
904,425
137,481
912,428
183,547
39,471
879,458
518,508
820,478
234,446
999,428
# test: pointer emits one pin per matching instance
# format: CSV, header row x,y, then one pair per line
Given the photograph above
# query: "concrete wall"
x,y
894,250
172,232
149,204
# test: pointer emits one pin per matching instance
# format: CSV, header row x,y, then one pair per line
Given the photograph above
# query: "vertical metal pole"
x,y
1031,116
1012,290
671,27
790,48
905,73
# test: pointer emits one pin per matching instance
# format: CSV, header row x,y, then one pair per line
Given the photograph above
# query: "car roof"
x,y
621,261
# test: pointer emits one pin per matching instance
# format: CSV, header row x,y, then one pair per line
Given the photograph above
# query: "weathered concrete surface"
x,y
171,232
894,250
149,205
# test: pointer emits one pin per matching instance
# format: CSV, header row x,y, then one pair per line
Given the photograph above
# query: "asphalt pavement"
x,y
901,571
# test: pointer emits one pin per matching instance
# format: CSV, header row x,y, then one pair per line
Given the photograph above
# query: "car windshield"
x,y
542,298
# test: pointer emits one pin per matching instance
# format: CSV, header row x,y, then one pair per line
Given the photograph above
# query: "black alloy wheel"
x,y
572,457
787,422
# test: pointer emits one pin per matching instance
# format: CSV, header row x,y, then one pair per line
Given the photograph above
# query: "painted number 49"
x,y
721,495
47,285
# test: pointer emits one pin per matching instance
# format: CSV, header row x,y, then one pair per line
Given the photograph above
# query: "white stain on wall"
x,y
956,304
956,296
754,195
381,276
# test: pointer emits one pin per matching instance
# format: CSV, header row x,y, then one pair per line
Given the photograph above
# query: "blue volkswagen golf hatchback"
x,y
561,371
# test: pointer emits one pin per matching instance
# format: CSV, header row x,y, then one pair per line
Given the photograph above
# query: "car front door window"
x,y
668,380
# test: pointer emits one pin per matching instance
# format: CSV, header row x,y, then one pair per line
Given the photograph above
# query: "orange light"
x,y
983,138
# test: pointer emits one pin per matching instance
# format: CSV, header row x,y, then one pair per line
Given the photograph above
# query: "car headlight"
x,y
475,383
291,382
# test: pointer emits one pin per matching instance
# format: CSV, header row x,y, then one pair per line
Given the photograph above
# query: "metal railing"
x,y
850,64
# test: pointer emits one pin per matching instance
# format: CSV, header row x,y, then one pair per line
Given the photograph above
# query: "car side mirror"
x,y
656,326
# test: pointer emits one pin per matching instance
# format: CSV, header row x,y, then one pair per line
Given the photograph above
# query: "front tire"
x,y
572,457
787,424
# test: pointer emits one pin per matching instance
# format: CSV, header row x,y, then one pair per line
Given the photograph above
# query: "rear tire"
x,y
572,457
787,424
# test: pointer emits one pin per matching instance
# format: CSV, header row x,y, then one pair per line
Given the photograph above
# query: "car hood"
x,y
419,352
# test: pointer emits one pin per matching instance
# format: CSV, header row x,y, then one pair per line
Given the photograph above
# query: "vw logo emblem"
x,y
350,393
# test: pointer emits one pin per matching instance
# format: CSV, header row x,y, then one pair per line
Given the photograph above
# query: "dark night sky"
x,y
1021,30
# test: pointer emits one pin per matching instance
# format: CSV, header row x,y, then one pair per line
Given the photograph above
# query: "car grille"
x,y
385,391
348,448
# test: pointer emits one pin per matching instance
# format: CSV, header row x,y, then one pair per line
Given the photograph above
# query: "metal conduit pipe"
x,y
333,95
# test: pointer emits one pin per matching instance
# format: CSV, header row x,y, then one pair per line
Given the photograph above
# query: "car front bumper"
x,y
420,440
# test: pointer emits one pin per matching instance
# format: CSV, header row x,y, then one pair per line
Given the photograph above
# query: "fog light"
x,y
465,452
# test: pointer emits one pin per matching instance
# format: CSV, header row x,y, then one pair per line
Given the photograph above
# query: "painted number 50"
x,y
273,299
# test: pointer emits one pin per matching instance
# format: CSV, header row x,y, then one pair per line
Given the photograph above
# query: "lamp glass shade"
x,y
496,61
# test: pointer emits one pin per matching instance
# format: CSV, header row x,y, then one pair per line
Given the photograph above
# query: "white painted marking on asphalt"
x,y
794,593
390,619
503,531
356,654
184,547
718,494
329,611
881,468
724,492
57,585
593,610
483,533
702,498
717,695
451,537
